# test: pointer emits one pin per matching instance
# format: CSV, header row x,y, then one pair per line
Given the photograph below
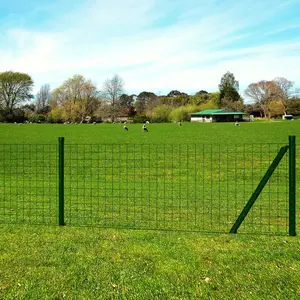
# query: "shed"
x,y
217,115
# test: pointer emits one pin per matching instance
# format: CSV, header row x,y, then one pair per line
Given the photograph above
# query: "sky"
x,y
154,45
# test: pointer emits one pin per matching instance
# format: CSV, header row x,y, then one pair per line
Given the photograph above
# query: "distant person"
x,y
125,128
144,128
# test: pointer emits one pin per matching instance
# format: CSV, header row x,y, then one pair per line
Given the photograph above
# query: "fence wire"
x,y
176,187
28,184
193,187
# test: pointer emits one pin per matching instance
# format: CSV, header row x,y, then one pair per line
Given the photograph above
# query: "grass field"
x,y
80,263
267,132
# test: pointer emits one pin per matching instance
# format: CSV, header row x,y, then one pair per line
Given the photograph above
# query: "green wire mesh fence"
x,y
193,187
28,184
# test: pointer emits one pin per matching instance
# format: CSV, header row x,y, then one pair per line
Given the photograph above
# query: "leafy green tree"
x,y
145,100
161,113
228,87
202,92
293,106
57,115
275,108
179,114
204,98
78,97
210,104
175,101
15,88
176,93
183,113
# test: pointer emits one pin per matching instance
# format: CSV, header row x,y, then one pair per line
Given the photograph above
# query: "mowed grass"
x,y
46,262
267,132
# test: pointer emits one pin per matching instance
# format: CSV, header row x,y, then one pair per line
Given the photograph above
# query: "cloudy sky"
x,y
154,45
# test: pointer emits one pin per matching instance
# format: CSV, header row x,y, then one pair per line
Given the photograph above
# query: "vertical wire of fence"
x,y
191,187
28,184
175,187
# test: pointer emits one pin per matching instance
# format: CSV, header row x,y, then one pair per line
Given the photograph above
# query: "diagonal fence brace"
x,y
259,188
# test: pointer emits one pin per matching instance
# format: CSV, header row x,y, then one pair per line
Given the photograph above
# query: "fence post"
x,y
61,200
292,185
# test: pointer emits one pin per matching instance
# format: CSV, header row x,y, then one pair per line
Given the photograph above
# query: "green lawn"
x,y
268,132
195,177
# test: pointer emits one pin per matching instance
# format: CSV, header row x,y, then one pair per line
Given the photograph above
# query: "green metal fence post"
x,y
292,185
61,200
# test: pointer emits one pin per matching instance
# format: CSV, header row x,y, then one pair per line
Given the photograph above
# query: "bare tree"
x,y
113,88
43,99
262,93
284,91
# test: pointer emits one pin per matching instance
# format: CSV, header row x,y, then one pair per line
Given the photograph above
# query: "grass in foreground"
x,y
88,263
80,263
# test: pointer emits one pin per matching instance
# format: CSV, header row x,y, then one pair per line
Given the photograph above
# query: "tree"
x,y
262,93
112,90
275,108
183,113
28,110
228,104
202,92
145,100
126,103
15,88
254,109
175,101
43,99
161,113
204,98
283,91
77,96
176,93
228,87
293,107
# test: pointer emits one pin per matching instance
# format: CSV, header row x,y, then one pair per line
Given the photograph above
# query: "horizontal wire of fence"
x,y
28,184
193,187
177,187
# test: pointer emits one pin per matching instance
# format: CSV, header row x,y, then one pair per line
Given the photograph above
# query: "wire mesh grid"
x,y
28,184
175,187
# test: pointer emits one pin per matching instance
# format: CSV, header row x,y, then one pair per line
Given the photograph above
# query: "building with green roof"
x,y
217,115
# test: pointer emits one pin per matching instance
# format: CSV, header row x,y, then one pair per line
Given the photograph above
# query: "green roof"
x,y
217,112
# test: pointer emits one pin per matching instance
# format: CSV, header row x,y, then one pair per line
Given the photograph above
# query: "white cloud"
x,y
98,40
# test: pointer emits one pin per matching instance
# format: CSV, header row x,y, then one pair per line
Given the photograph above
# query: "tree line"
x,y
79,100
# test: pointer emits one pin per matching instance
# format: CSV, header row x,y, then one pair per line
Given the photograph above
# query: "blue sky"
x,y
155,45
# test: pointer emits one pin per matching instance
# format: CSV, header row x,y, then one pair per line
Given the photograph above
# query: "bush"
x,y
140,119
57,115
161,114
183,113
37,118
179,114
